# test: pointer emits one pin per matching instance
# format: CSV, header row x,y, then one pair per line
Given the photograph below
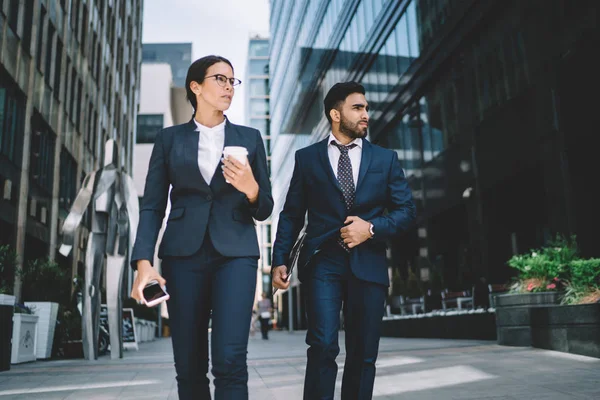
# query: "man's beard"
x,y
352,130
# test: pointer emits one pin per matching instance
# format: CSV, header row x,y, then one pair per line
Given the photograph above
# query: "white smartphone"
x,y
155,294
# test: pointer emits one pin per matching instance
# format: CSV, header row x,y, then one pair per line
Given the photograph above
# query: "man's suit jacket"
x,y
198,209
382,197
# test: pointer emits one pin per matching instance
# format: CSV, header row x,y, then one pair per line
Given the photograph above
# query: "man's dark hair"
x,y
197,73
338,94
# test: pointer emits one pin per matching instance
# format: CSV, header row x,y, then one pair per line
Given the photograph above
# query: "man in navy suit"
x,y
356,196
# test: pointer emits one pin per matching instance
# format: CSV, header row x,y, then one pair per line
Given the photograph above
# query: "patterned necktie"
x,y
346,180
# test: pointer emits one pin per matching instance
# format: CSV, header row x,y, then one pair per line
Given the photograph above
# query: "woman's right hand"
x,y
145,274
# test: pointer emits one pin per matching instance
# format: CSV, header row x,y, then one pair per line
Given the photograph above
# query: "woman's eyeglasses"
x,y
222,80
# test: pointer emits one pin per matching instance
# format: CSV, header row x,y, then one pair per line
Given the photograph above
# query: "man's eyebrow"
x,y
360,105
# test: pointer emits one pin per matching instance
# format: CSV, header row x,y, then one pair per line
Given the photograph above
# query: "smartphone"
x,y
154,294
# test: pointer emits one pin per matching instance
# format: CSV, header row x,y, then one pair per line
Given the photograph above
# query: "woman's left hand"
x,y
240,176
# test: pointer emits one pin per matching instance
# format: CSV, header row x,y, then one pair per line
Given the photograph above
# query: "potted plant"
x,y
554,302
45,286
24,335
542,274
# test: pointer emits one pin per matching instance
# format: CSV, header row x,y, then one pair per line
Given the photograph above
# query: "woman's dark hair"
x,y
197,73
338,94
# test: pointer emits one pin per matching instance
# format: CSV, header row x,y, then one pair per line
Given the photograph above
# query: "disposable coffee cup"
x,y
238,152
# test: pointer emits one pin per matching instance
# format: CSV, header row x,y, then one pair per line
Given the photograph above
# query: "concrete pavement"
x,y
411,369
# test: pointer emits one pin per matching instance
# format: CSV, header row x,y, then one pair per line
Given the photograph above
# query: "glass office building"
x,y
69,73
257,116
484,102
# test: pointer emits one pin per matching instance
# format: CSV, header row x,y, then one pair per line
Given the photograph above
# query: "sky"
x,y
220,27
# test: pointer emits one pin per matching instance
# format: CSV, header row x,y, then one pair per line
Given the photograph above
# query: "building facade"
x,y
257,116
177,55
69,74
484,102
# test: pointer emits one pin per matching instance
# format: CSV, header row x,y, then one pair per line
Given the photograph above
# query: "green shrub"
x,y
398,285
585,273
8,262
413,285
45,280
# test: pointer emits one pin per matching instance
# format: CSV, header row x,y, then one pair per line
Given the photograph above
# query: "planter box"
x,y
6,331
513,315
476,326
24,338
527,299
7,300
570,329
47,313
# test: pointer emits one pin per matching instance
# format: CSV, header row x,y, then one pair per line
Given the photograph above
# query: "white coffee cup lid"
x,y
235,150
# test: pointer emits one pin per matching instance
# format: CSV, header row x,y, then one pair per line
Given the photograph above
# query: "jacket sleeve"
x,y
262,209
154,202
291,218
401,211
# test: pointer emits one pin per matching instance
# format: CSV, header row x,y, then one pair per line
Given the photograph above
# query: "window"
x,y
259,49
259,107
68,180
40,40
258,67
262,124
13,15
49,46
57,68
149,55
27,24
259,87
79,96
148,126
42,154
12,116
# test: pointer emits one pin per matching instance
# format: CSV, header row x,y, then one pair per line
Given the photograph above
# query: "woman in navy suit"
x,y
209,250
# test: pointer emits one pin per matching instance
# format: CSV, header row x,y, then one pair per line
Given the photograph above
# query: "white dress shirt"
x,y
210,148
355,155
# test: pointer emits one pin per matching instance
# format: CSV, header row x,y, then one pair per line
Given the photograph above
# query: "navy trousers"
x,y
197,285
332,286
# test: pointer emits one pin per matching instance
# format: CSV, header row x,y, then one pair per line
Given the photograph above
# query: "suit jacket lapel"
x,y
365,162
326,164
190,142
218,181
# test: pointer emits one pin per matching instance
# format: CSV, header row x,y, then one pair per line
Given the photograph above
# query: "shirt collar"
x,y
358,141
206,129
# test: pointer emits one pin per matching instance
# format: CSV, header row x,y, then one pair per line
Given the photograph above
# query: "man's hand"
x,y
240,176
280,278
357,232
145,274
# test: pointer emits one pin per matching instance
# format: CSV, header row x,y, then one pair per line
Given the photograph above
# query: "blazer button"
x,y
208,197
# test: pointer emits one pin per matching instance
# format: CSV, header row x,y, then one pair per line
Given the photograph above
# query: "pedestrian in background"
x,y
265,308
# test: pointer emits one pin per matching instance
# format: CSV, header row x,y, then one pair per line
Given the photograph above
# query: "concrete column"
x,y
24,181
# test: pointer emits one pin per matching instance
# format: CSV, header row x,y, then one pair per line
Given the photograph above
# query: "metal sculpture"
x,y
115,214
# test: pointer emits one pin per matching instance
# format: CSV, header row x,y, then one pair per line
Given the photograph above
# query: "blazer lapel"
x,y
365,162
190,142
218,181
326,165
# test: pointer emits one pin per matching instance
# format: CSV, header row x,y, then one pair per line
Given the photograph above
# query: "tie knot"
x,y
343,148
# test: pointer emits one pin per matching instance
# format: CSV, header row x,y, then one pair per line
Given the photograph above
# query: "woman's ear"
x,y
196,88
